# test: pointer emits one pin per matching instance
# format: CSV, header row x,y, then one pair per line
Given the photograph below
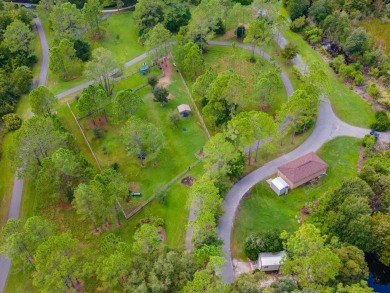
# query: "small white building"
x,y
270,261
279,186
184,110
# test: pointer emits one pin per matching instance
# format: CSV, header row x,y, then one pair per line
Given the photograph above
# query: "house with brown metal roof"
x,y
302,170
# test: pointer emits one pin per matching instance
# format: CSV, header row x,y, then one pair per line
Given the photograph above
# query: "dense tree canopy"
x,y
309,259
37,139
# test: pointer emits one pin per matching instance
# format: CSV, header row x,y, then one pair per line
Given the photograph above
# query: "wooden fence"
x,y
158,193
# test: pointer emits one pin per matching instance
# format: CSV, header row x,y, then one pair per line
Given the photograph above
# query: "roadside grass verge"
x,y
348,106
263,210
7,172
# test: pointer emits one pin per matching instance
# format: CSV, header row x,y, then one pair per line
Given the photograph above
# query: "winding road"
x,y
328,126
17,190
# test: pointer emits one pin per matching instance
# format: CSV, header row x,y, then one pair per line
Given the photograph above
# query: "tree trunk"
x,y
293,133
257,149
117,215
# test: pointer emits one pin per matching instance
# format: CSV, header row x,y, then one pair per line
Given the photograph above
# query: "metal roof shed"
x,y
279,186
270,261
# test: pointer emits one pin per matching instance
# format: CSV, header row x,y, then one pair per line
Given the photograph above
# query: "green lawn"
x,y
120,38
126,47
222,58
6,180
379,30
348,106
181,143
264,210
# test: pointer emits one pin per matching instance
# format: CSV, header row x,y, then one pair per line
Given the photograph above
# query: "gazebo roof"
x,y
183,108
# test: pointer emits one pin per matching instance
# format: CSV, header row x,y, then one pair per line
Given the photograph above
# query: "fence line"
x,y
85,138
162,190
194,104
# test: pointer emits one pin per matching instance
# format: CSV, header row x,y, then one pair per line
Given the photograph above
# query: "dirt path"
x,y
166,68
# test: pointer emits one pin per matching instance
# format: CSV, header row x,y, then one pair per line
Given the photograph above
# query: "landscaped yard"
x,y
181,143
264,210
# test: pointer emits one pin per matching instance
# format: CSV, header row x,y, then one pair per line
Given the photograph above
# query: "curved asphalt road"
x,y
328,126
17,190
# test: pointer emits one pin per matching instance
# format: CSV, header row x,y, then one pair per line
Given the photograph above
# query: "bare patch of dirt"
x,y
188,181
79,286
360,163
134,186
170,97
163,235
166,68
241,267
106,226
97,122
228,35
305,212
96,231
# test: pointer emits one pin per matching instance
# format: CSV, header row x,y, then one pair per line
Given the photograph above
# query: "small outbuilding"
x,y
144,69
302,170
270,261
184,110
278,185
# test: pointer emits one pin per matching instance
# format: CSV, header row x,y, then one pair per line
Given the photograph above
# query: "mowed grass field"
x,y
263,210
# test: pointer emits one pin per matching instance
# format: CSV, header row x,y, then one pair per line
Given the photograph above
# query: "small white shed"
x,y
279,186
270,261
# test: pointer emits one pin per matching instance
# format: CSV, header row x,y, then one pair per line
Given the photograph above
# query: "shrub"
x,y
173,119
240,32
298,24
152,80
290,51
12,122
265,242
115,166
161,95
374,72
220,27
313,34
373,91
368,141
83,50
382,122
352,73
97,133
337,62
